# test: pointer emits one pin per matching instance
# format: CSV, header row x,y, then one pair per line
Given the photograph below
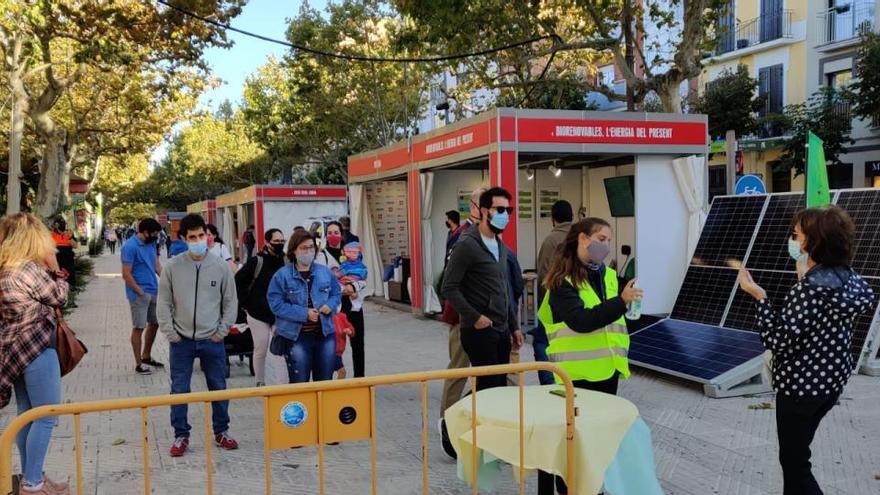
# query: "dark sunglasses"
x,y
502,209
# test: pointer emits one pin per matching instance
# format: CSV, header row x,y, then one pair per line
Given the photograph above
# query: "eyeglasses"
x,y
502,209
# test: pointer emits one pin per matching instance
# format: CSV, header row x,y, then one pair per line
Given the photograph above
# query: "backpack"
x,y
241,317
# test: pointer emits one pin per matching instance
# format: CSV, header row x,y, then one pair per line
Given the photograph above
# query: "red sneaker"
x,y
178,448
224,441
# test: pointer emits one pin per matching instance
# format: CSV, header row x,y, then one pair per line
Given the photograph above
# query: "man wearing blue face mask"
x,y
476,285
197,306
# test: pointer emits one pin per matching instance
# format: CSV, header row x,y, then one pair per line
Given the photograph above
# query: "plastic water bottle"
x,y
634,308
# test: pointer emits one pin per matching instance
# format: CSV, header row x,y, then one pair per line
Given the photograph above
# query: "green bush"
x,y
84,267
96,246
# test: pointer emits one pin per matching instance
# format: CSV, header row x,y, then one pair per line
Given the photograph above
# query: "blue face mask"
x,y
198,248
499,221
794,250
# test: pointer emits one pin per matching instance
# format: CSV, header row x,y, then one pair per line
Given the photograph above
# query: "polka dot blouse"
x,y
811,332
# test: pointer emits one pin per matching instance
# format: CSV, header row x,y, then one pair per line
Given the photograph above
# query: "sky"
x,y
233,65
265,17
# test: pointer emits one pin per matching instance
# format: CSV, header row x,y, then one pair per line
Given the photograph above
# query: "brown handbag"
x,y
70,349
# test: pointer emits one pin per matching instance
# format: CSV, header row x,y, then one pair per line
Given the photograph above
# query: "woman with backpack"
x,y
252,284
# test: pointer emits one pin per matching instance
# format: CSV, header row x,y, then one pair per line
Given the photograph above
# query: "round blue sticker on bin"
x,y
294,414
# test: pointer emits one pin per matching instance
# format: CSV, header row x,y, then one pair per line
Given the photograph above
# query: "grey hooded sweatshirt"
x,y
197,300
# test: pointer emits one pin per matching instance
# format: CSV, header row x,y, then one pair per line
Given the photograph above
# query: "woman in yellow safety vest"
x,y
583,315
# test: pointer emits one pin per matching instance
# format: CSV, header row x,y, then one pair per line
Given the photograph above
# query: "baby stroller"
x,y
239,342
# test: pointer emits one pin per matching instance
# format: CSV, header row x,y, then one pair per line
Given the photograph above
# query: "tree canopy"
x,y
310,113
207,158
827,115
116,59
731,103
866,86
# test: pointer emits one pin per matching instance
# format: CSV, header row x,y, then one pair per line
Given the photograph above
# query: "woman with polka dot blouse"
x,y
810,335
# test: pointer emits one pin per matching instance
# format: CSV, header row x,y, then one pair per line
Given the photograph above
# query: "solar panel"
x,y
704,294
728,230
742,313
862,323
770,250
692,350
864,208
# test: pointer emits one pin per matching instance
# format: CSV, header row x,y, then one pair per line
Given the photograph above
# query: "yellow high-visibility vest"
x,y
592,356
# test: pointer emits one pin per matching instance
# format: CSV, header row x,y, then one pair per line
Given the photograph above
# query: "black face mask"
x,y
277,249
150,239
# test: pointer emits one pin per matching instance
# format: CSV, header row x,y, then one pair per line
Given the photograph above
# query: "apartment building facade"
x,y
793,48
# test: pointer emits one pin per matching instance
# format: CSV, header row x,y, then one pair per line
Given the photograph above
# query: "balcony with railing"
x,y
845,22
763,29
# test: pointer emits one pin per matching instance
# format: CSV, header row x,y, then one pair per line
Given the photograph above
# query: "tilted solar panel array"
x,y
712,319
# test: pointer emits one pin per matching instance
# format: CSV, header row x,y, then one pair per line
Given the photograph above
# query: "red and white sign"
x,y
303,192
464,139
612,132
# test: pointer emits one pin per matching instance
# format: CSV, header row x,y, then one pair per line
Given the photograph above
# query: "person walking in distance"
x,y
561,214
453,222
32,286
249,241
65,242
452,389
111,240
252,283
140,271
477,285
810,335
197,306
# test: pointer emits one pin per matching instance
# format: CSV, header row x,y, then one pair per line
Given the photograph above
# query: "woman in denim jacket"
x,y
304,296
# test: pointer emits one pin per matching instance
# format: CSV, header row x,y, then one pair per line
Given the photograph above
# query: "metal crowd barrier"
x,y
346,411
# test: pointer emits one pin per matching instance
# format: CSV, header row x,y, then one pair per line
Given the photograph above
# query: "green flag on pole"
x,y
818,193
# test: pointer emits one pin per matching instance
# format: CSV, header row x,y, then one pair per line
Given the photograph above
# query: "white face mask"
x,y
794,250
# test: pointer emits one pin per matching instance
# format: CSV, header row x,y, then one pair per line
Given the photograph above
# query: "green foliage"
x,y
553,93
84,268
96,245
731,102
99,79
310,113
586,34
826,115
866,88
128,213
204,160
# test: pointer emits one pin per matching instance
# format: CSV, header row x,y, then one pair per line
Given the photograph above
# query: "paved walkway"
x,y
703,446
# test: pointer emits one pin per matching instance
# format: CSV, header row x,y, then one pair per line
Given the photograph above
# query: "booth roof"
x,y
535,131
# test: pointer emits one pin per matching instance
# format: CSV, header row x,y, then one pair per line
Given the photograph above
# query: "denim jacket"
x,y
289,300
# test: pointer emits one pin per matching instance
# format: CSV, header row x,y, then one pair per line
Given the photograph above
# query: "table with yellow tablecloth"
x,y
612,443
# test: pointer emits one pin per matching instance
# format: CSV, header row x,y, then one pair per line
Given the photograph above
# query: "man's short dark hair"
x,y
191,222
561,212
269,233
149,225
492,193
454,216
830,234
251,227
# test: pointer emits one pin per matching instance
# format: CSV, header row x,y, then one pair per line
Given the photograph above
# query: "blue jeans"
x,y
39,385
212,356
312,355
539,344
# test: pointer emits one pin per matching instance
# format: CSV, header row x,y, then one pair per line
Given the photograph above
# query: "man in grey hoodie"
x,y
197,305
